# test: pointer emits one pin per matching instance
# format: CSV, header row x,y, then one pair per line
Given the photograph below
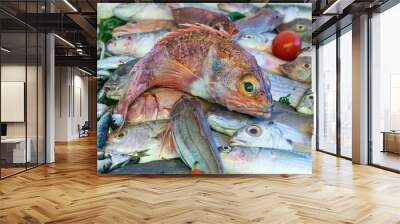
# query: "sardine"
x,y
270,134
136,44
265,20
152,139
115,86
284,87
299,69
113,62
142,11
261,41
248,160
292,11
300,26
102,129
205,63
244,8
145,26
193,138
306,105
228,122
264,134
192,15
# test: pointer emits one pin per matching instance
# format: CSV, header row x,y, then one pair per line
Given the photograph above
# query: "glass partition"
x,y
327,96
22,77
346,93
385,90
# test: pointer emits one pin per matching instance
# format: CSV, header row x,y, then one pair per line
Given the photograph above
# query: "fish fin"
x,y
173,74
189,27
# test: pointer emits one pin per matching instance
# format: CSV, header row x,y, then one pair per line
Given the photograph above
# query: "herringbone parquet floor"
x,y
70,191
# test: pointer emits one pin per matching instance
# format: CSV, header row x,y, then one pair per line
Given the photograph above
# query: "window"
x,y
327,97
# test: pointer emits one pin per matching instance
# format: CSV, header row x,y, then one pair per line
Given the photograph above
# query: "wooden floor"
x,y
70,191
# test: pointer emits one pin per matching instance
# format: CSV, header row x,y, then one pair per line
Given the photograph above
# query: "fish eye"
x,y
121,134
248,86
254,130
249,36
307,66
300,28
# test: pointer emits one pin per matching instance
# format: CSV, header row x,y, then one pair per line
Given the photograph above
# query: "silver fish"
x,y
227,122
115,85
258,41
306,105
193,138
142,11
299,69
270,134
282,87
113,62
152,139
292,11
265,20
265,134
135,44
244,8
247,160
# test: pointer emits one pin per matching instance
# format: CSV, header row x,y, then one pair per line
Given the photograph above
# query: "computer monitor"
x,y
3,130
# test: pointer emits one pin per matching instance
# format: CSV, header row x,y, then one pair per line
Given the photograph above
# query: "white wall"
x,y
71,103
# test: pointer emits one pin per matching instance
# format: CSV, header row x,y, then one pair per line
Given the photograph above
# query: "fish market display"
x,y
206,63
200,88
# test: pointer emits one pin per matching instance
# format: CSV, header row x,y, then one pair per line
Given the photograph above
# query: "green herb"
x,y
233,16
284,99
106,26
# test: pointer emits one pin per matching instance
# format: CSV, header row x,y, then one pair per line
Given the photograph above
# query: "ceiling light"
x,y
84,71
5,50
65,41
331,7
70,5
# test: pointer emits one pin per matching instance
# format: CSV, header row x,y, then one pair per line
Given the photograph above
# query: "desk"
x,y
17,150
391,141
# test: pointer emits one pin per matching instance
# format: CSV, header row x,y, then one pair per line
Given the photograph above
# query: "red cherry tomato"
x,y
286,45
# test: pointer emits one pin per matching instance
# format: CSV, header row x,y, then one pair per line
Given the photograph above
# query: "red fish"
x,y
191,15
205,63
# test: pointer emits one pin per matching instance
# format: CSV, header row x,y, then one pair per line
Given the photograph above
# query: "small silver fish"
x,y
151,138
258,41
266,135
113,62
306,105
244,8
265,20
135,44
142,11
292,11
299,69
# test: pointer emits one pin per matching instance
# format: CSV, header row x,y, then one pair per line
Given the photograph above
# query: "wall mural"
x,y
204,88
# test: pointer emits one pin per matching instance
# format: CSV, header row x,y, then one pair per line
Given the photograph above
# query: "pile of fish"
x,y
195,88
